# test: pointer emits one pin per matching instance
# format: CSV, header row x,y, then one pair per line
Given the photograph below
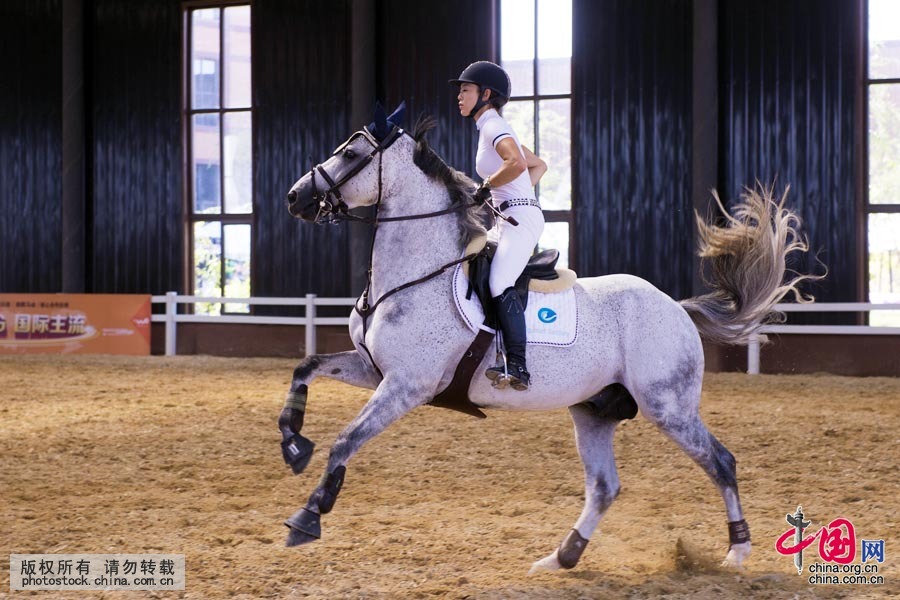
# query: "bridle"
x,y
333,209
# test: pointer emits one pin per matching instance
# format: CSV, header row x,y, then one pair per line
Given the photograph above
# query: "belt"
x,y
518,202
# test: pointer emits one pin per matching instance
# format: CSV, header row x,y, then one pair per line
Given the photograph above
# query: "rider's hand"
x,y
483,192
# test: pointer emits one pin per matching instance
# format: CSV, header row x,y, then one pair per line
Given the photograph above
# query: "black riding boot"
x,y
512,322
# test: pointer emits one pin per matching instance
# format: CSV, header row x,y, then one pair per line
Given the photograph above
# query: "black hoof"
x,y
305,526
298,538
297,451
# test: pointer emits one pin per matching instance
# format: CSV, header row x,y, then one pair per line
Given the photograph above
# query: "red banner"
x,y
79,323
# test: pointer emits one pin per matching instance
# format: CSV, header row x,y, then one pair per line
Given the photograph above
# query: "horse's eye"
x,y
349,153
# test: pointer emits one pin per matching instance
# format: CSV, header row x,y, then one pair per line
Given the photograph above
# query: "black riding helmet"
x,y
486,74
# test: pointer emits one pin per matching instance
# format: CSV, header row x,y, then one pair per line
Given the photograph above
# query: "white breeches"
x,y
515,245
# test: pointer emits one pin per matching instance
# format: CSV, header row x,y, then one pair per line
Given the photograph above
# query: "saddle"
x,y
540,274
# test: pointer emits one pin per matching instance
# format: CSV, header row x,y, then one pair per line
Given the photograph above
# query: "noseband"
x,y
332,208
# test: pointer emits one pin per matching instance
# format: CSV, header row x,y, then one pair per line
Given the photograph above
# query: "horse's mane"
x,y
458,184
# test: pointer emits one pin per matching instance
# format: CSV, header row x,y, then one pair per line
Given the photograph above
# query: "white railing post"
x,y
310,324
171,311
753,356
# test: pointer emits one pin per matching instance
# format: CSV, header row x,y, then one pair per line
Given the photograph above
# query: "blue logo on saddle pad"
x,y
546,315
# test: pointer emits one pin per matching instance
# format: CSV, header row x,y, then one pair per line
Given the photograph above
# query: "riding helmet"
x,y
486,74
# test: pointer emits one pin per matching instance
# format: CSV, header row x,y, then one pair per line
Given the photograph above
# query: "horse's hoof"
x,y
298,538
737,554
305,526
297,451
550,563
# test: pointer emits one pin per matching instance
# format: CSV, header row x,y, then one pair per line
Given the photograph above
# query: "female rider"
x,y
510,172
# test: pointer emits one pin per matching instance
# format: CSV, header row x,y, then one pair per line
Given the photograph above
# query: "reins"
x,y
367,310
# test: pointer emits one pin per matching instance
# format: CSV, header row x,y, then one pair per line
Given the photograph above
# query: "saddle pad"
x,y
551,319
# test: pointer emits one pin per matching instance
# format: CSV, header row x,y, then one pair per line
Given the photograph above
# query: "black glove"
x,y
482,192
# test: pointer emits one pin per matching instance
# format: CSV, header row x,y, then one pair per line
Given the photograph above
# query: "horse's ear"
x,y
379,127
396,118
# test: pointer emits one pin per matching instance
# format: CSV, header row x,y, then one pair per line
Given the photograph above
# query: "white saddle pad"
x,y
551,319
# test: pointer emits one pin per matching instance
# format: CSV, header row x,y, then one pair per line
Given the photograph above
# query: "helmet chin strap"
x,y
478,105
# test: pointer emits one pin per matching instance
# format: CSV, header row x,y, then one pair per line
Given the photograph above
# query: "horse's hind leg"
x,y
348,367
594,439
389,402
685,427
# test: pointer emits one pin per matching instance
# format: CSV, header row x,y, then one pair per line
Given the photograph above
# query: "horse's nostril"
x,y
292,196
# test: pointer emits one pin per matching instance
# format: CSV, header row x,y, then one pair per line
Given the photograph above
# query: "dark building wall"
x,y
420,47
303,71
134,99
787,82
30,146
301,83
786,103
631,146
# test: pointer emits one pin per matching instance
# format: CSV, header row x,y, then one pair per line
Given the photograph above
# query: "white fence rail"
x,y
171,317
821,307
310,321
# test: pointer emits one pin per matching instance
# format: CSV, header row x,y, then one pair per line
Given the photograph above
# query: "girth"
x,y
456,395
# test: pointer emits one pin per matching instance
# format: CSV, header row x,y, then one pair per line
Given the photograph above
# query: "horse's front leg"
x,y
348,367
391,400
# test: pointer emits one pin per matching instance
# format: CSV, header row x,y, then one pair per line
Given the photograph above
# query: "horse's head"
x,y
353,175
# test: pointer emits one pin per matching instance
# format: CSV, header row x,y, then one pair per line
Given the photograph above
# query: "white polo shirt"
x,y
492,128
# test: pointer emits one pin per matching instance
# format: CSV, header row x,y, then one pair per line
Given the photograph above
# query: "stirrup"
x,y
498,374
499,379
502,378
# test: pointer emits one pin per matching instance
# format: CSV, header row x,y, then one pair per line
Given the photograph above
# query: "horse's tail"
x,y
745,261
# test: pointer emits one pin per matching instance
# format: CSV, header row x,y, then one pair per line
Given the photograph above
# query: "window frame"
x,y
867,208
550,216
188,175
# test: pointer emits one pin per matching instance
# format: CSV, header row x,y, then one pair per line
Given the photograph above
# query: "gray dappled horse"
x,y
629,332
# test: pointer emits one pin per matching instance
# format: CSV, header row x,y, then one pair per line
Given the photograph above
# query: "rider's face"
x,y
467,97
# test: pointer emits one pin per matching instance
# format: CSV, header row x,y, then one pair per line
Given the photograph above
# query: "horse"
x,y
408,337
